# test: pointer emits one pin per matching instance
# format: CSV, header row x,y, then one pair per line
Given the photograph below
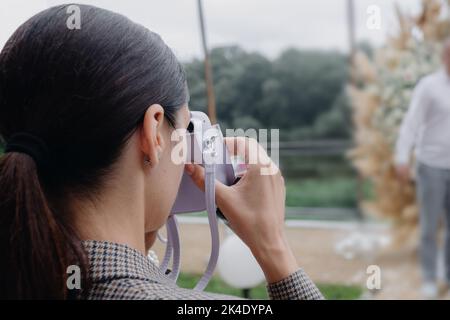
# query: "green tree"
x,y
298,92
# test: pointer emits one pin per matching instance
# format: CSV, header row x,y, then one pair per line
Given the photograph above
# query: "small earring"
x,y
147,160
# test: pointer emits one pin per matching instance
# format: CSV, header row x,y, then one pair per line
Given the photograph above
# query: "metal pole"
x,y
351,30
246,293
351,59
208,72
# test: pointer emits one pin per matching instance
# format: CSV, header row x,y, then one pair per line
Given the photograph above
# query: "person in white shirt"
x,y
426,130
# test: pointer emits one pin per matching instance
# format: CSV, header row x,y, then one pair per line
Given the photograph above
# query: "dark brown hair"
x,y
83,93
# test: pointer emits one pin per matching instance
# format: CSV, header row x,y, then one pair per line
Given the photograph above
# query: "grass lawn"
x,y
321,181
315,192
216,285
332,192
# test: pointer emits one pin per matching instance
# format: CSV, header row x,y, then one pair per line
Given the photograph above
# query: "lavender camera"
x,y
203,140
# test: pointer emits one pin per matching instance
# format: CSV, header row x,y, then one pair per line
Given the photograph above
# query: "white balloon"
x,y
237,266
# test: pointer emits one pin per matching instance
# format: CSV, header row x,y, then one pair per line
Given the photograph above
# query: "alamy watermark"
x,y
373,21
73,21
373,281
73,281
206,146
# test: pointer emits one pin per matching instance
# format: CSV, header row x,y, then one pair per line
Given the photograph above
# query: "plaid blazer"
x,y
120,272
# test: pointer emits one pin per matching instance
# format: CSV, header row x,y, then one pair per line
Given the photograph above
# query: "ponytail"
x,y
83,94
35,246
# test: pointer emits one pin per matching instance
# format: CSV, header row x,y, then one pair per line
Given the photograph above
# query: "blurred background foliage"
x,y
301,92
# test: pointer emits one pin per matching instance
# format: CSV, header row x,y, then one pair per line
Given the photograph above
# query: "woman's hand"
x,y
403,172
254,207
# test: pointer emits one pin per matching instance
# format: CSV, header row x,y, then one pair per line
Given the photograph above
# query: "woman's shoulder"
x,y
120,272
139,289
117,271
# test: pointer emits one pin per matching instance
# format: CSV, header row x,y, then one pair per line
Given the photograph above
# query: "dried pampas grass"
x,y
380,95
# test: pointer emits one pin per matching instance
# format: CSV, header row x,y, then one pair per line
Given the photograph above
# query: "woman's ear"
x,y
152,142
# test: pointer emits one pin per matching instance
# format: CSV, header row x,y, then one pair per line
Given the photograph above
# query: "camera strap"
x,y
174,246
210,198
173,240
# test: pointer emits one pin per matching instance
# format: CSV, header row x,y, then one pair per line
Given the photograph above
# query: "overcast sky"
x,y
267,26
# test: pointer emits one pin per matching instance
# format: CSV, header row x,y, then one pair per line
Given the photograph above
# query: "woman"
x,y
86,179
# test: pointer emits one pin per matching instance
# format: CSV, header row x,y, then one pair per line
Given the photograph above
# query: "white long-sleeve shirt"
x,y
426,126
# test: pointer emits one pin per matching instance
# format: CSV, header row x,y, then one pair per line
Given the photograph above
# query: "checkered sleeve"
x,y
297,286
120,272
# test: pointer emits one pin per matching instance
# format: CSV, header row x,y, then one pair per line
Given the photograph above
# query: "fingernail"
x,y
189,169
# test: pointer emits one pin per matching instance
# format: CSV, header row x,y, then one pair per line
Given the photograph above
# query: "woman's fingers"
x,y
247,148
253,153
197,174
